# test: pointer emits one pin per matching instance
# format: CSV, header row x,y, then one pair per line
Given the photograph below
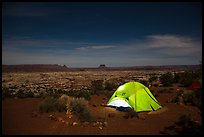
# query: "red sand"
x,y
18,118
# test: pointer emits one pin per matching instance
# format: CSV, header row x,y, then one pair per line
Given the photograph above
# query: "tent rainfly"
x,y
134,95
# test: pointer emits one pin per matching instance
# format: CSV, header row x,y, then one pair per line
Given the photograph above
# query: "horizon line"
x,y
102,65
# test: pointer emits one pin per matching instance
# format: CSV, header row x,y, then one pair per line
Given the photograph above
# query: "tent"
x,y
134,95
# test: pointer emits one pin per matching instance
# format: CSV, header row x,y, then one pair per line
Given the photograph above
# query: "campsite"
x,y
101,68
88,92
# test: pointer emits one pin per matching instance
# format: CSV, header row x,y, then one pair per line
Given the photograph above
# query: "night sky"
x,y
89,34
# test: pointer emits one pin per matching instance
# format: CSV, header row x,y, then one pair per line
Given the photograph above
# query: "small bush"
x,y
81,93
84,94
79,106
167,79
53,92
194,98
153,77
109,85
177,99
184,126
97,86
49,104
30,94
61,106
144,82
177,77
20,94
189,77
108,93
183,119
6,93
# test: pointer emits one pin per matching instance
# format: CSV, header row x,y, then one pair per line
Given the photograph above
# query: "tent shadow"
x,y
161,110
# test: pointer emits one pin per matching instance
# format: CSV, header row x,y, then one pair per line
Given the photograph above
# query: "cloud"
x,y
96,47
152,50
170,41
173,45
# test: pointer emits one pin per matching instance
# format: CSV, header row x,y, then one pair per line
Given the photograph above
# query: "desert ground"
x,y
20,116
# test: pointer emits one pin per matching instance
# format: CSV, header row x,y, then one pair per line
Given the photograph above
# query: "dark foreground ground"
x,y
21,117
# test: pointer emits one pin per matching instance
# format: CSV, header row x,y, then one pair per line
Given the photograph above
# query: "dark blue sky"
x,y
90,34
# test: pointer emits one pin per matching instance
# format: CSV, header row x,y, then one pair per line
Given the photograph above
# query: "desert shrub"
x,y
6,92
53,92
187,97
121,81
177,77
167,79
97,86
183,119
49,104
49,92
79,106
71,93
144,82
194,98
108,93
29,94
152,77
4,95
24,94
20,94
110,85
187,126
59,92
184,126
177,98
189,77
197,100
84,94
61,106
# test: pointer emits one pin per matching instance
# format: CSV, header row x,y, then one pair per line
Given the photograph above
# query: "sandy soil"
x,y
21,117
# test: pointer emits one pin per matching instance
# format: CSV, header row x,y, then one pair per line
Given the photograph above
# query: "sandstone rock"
x,y
74,123
100,127
52,117
105,124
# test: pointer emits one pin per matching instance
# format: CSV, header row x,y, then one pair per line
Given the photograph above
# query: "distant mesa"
x,y
102,66
57,67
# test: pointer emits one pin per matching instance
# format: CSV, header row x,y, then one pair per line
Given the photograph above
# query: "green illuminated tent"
x,y
134,95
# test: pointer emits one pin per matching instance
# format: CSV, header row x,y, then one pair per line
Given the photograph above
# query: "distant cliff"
x,y
55,67
33,68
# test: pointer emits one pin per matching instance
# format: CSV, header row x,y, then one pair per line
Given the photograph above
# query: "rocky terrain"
x,y
39,82
27,120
